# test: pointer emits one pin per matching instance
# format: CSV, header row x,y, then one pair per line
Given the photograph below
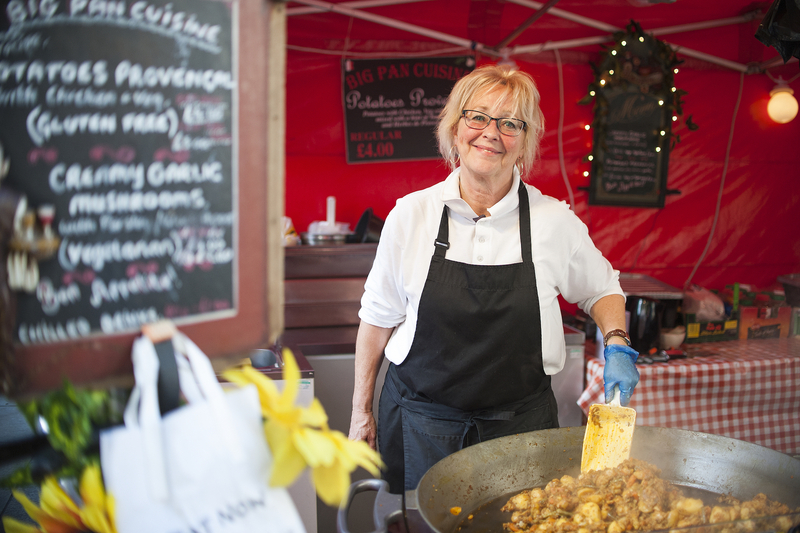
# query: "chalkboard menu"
x,y
125,117
636,102
631,161
124,120
391,106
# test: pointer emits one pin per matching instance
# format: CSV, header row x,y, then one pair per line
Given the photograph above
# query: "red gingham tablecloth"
x,y
747,390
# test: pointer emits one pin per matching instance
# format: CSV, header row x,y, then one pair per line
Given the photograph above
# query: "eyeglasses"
x,y
479,121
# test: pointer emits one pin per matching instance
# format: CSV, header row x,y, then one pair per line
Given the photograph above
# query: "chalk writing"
x,y
631,161
122,115
392,106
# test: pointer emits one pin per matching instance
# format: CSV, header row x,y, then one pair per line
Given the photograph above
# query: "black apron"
x,y
474,370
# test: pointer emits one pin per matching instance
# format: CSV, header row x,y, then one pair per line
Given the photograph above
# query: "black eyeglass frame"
x,y
496,121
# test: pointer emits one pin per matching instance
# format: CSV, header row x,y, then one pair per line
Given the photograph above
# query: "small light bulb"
x,y
587,127
590,158
782,106
624,43
661,102
591,93
674,89
641,39
613,52
658,148
663,133
611,72
585,173
674,118
602,82
675,71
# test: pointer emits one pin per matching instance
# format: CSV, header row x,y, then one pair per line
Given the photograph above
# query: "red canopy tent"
x,y
735,218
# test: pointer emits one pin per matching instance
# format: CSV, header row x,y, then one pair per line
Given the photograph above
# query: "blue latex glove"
x,y
620,370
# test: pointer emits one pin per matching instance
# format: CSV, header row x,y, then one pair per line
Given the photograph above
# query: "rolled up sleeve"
x,y
384,301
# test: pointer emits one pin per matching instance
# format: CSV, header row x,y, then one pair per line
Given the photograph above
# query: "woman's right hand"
x,y
363,427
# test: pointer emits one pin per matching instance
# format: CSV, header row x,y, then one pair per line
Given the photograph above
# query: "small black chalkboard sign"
x,y
391,106
630,159
635,103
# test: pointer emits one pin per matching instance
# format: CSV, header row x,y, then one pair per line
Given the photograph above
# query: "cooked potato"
x,y
630,497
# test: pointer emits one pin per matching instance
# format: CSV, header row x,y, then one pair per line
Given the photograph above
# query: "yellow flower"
x,y
332,474
58,513
300,436
279,406
97,512
15,526
56,503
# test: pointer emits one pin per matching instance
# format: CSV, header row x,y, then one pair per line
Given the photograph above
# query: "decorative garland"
x,y
654,73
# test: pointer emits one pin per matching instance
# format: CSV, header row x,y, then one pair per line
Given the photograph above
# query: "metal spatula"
x,y
609,432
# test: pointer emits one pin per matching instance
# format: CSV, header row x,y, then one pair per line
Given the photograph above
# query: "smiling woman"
x,y
473,339
513,89
486,153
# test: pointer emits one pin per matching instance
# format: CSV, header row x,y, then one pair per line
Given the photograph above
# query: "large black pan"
x,y
486,471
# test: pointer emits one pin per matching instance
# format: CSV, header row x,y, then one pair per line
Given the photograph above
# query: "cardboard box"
x,y
765,322
718,330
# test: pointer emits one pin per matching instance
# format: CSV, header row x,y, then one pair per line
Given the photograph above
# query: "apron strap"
x,y
525,224
441,243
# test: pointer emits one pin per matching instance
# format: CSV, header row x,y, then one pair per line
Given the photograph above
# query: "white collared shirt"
x,y
565,259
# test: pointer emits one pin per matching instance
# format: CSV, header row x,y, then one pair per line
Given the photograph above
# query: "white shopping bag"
x,y
202,468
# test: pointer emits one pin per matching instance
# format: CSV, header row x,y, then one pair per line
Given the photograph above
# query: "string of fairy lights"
x,y
635,58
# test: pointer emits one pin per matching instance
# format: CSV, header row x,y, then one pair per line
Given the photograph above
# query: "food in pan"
x,y
630,497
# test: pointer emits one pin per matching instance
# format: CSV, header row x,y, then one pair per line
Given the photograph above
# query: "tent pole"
x,y
411,28
568,16
707,24
525,25
358,4
606,27
276,162
774,62
738,67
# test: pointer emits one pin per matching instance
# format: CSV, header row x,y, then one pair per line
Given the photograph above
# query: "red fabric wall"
x,y
756,237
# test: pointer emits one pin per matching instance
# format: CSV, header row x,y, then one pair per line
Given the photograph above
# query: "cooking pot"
x,y
645,322
501,467
368,228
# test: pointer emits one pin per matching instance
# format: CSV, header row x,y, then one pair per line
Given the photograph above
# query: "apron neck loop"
x,y
441,242
525,224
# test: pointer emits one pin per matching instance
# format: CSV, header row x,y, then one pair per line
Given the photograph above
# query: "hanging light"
x,y
782,106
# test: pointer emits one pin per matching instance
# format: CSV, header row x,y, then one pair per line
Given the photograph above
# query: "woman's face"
x,y
487,154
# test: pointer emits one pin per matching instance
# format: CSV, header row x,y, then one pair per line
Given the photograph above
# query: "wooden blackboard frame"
x,y
104,361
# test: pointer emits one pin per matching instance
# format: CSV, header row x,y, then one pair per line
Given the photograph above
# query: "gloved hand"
x,y
620,370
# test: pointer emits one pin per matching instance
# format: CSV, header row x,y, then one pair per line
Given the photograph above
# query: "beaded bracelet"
x,y
617,333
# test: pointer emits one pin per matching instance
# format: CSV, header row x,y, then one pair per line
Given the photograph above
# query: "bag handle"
x,y
198,383
169,392
143,412
209,387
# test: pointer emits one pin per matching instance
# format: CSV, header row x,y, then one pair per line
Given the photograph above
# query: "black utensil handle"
x,y
388,508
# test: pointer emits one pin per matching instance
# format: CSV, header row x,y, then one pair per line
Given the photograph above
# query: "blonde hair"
x,y
519,88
